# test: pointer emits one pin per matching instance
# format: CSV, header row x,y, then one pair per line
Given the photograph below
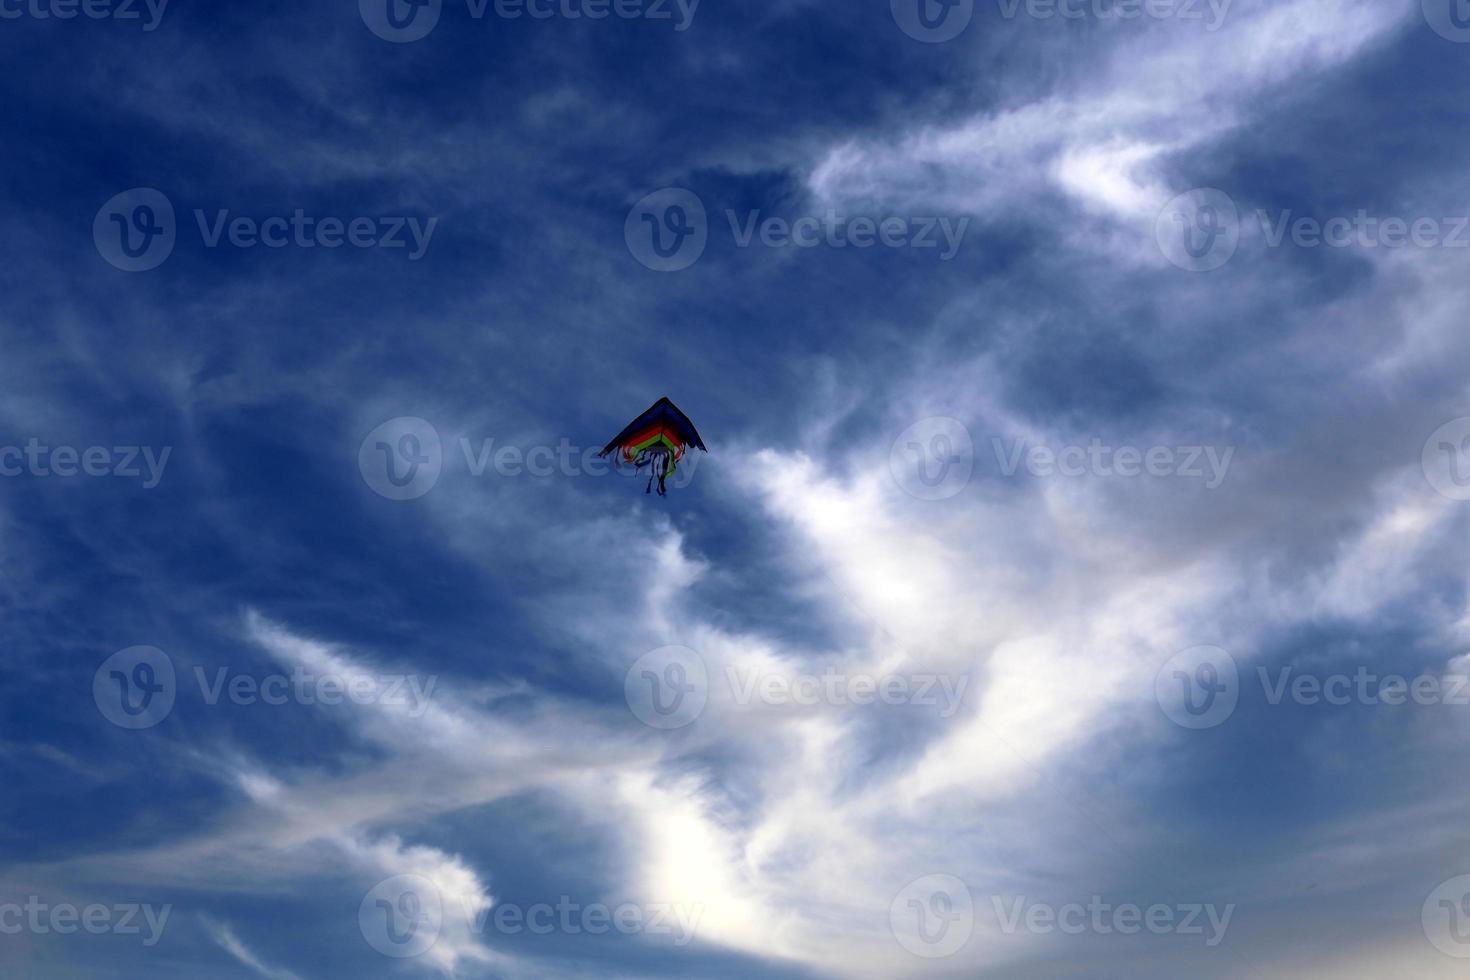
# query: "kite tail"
x,y
660,465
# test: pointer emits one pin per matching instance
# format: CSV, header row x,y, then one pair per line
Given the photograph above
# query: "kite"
x,y
658,439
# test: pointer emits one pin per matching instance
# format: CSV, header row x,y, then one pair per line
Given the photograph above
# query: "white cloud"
x,y
1102,135
222,934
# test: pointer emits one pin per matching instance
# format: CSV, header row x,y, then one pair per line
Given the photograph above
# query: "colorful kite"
x,y
658,439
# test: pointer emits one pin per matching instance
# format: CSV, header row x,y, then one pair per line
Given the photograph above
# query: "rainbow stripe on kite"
x,y
663,428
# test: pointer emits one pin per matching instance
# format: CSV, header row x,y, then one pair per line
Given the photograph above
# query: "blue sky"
x,y
1087,410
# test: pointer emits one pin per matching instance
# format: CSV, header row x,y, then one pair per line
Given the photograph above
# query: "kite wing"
x,y
658,438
